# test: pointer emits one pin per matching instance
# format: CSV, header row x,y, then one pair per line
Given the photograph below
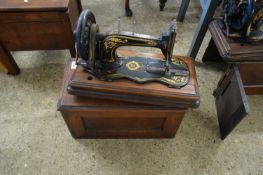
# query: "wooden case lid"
x,y
234,51
129,91
34,5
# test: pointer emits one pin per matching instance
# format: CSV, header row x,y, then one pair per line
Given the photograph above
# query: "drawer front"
x,y
120,123
35,36
123,124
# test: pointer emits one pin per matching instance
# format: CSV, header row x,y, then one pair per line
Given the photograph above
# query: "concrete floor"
x,y
35,140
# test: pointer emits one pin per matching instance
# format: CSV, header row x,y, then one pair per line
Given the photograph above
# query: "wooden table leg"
x,y
7,62
128,11
162,4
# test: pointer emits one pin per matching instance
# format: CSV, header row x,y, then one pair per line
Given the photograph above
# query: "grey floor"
x,y
35,140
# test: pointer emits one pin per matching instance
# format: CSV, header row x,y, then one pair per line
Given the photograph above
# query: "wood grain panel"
x,y
34,36
19,17
98,118
34,5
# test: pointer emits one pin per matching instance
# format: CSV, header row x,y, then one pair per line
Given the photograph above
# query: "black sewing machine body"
x,y
243,20
99,56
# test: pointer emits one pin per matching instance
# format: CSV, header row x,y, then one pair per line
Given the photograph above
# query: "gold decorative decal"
x,y
133,65
170,81
112,42
152,43
179,79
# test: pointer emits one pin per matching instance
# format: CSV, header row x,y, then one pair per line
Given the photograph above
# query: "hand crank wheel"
x,y
82,33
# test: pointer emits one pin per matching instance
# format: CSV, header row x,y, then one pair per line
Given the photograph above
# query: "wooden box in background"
x,y
36,25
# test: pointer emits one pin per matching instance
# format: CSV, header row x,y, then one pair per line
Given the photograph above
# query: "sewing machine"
x,y
98,54
243,20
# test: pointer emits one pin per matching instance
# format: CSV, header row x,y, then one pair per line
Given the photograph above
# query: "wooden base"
x,y
154,93
98,117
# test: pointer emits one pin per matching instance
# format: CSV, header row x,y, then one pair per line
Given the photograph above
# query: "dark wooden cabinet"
x,y
92,116
37,25
244,76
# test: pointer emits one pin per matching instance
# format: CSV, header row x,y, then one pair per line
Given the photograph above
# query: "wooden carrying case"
x,y
93,116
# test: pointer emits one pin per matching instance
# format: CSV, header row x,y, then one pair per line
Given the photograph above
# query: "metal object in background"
x,y
243,20
209,8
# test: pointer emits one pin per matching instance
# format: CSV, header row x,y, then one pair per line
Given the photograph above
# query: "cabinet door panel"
x,y
231,101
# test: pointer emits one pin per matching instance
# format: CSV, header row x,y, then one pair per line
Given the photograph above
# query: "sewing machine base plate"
x,y
143,70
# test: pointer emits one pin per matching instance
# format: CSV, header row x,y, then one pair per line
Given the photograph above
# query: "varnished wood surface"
x,y
126,90
35,36
99,118
252,77
233,51
108,124
68,102
33,5
81,102
39,30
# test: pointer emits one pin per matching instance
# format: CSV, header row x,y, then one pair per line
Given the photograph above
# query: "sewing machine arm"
x,y
99,57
